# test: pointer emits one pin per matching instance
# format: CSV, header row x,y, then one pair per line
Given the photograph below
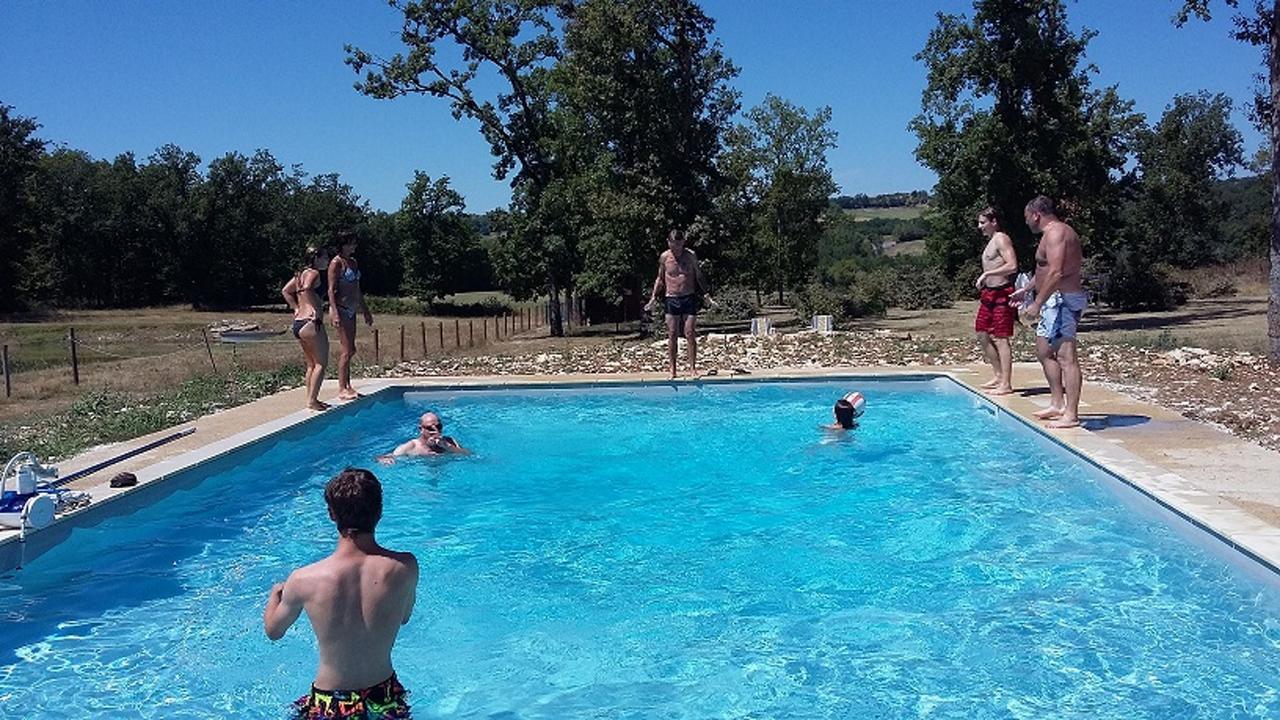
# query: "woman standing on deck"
x,y
305,293
345,300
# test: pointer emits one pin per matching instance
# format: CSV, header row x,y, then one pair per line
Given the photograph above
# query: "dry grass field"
x,y
150,349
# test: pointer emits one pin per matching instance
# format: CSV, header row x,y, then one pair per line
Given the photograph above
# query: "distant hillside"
x,y
887,200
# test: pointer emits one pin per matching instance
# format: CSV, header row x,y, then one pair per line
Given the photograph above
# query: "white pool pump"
x,y
22,505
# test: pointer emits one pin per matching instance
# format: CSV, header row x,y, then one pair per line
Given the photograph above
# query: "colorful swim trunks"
x,y
1060,316
385,701
995,316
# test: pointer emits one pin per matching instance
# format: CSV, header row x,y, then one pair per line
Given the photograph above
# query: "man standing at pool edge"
x,y
684,288
356,600
1059,302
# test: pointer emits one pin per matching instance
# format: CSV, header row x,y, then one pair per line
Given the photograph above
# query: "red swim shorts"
x,y
995,315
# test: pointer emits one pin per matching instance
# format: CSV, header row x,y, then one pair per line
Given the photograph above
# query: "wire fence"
x,y
53,357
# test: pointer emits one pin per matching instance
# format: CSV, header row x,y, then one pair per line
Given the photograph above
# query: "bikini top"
x,y
350,275
321,288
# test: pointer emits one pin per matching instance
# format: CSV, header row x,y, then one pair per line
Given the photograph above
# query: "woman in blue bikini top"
x,y
345,301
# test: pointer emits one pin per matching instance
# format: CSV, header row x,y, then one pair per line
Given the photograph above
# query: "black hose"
x,y
125,456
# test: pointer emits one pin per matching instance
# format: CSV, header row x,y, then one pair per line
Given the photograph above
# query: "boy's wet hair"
x,y
354,497
844,413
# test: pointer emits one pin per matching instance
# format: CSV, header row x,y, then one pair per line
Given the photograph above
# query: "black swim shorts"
x,y
682,305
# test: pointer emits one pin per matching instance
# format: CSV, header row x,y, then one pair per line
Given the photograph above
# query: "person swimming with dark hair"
x,y
847,411
305,294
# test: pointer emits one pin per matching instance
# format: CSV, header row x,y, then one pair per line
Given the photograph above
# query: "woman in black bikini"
x,y
305,293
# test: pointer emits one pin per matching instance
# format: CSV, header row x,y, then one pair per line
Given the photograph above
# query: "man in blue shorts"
x,y
1059,302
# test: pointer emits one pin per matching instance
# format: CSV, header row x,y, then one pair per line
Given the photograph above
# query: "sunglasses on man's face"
x,y
437,426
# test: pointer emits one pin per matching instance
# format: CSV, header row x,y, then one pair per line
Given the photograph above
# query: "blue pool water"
x,y
654,553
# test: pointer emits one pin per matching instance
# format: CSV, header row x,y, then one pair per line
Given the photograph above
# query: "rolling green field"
x,y
891,213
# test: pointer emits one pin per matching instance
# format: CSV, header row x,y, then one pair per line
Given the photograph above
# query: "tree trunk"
x,y
553,303
777,225
1273,61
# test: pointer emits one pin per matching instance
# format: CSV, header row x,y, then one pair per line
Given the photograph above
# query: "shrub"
x,y
1134,283
920,284
865,297
734,304
488,308
396,306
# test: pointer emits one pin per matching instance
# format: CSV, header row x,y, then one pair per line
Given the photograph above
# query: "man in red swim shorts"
x,y
994,323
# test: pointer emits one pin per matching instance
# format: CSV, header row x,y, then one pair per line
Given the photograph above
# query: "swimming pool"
x,y
659,552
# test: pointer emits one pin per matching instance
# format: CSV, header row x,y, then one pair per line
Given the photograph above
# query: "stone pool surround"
x,y
1219,483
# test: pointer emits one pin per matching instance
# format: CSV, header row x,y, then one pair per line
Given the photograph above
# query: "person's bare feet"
x,y
1004,390
318,406
348,395
993,382
1049,413
1064,422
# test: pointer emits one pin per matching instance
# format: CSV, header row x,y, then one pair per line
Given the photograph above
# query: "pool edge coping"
x,y
1237,529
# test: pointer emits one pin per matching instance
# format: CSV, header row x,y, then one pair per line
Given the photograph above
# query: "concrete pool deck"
x,y
1226,485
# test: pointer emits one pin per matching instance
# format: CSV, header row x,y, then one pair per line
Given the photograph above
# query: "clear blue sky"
x,y
126,75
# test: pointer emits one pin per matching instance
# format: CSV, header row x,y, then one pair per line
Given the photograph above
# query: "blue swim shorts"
x,y
1060,316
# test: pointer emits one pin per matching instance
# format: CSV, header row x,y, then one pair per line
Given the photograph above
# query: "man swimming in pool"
x,y
356,600
430,441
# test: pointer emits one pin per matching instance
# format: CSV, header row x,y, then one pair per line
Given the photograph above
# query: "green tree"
x,y
643,102
131,273
242,231
516,40
1177,212
65,247
438,242
170,179
20,153
788,187
1009,113
1261,29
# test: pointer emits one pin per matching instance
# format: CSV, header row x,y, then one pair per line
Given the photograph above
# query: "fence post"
x,y
441,329
424,339
484,329
402,342
75,361
377,350
457,334
208,348
471,333
8,389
